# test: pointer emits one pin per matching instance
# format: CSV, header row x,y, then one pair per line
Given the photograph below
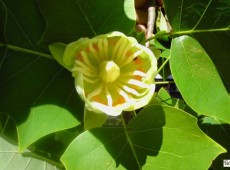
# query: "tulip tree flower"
x,y
113,73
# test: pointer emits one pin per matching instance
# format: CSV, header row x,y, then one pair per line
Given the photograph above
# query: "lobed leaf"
x,y
220,132
159,137
35,91
12,159
73,19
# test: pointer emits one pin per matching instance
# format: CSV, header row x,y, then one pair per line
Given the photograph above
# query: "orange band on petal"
x,y
79,57
137,60
120,100
138,77
99,100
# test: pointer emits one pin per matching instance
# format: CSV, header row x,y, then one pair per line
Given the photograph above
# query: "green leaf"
x,y
161,22
12,159
198,80
220,132
93,120
207,21
8,127
166,53
21,23
67,21
166,99
159,137
37,93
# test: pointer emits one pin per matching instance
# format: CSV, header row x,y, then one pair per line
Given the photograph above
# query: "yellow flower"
x,y
113,73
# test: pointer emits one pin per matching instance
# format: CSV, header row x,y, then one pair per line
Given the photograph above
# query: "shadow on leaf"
x,y
39,95
221,134
130,146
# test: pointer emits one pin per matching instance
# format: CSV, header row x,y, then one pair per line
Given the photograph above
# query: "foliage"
x,y
41,112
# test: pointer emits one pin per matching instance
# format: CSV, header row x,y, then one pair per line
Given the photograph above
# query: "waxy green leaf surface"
x,y
160,137
198,80
207,21
35,91
11,159
220,132
73,19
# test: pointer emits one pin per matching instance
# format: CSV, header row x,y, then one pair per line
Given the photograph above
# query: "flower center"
x,y
109,71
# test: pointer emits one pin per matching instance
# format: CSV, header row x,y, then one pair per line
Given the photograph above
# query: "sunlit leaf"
x,y
166,99
198,80
36,91
12,159
93,120
220,132
159,137
207,21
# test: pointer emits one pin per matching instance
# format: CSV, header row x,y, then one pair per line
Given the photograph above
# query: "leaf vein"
x,y
164,152
47,85
19,72
118,155
106,20
100,146
86,18
19,26
181,11
201,17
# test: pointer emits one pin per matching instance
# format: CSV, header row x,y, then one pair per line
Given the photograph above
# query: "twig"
x,y
150,23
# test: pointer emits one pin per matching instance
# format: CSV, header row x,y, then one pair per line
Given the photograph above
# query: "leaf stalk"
x,y
25,50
